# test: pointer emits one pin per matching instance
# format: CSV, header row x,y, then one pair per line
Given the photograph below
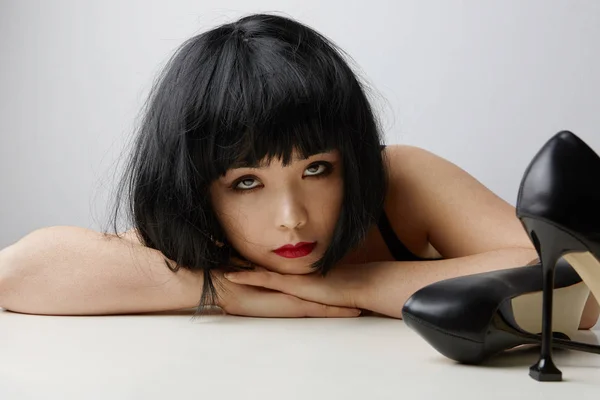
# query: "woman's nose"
x,y
291,213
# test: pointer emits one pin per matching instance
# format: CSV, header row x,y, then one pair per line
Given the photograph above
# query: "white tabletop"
x,y
172,356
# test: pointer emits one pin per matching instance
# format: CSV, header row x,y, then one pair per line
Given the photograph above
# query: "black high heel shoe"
x,y
559,207
471,318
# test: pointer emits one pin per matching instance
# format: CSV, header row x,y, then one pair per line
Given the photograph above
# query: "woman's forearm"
x,y
390,284
66,270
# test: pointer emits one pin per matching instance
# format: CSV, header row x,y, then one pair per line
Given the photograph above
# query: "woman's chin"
x,y
291,269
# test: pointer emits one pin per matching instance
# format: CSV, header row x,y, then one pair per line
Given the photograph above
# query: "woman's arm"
x,y
75,271
383,287
67,270
389,284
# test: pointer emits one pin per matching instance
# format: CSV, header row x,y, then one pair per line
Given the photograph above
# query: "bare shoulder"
x,y
413,170
404,200
459,215
408,169
131,236
404,158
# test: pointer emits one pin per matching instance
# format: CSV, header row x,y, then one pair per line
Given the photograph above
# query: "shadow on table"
x,y
213,311
526,355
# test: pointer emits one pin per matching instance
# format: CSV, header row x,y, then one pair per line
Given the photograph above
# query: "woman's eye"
x,y
316,166
317,170
243,184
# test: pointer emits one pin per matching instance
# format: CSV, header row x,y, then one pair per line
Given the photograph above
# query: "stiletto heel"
x,y
551,243
559,210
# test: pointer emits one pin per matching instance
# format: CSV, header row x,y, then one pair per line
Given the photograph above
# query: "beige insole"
x,y
568,304
588,268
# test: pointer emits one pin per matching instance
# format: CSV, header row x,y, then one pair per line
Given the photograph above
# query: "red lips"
x,y
294,251
293,246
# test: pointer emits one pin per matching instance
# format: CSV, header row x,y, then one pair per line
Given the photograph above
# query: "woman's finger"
x,y
298,308
253,301
291,284
311,288
327,311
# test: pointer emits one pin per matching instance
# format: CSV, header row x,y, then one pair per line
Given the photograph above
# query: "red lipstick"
x,y
294,251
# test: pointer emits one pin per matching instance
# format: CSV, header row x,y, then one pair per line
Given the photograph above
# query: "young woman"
x,y
258,136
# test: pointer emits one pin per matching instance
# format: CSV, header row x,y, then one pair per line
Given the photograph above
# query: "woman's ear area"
x,y
215,189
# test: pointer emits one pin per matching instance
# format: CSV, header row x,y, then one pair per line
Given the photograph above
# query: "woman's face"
x,y
275,205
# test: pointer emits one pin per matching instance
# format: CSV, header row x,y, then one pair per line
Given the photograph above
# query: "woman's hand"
x,y
342,287
238,298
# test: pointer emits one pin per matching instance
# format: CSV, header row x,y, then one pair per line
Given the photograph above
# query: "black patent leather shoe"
x,y
471,318
557,205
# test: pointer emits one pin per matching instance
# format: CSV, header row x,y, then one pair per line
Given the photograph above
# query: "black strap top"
x,y
396,247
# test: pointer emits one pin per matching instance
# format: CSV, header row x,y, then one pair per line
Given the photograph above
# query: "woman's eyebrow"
x,y
245,164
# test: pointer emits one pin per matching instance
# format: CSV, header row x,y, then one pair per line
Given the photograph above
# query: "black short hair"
x,y
247,91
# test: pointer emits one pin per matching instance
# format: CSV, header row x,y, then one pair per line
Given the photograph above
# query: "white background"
x,y
481,83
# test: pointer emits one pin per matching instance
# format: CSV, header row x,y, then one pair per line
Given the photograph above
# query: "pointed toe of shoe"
x,y
460,317
453,317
